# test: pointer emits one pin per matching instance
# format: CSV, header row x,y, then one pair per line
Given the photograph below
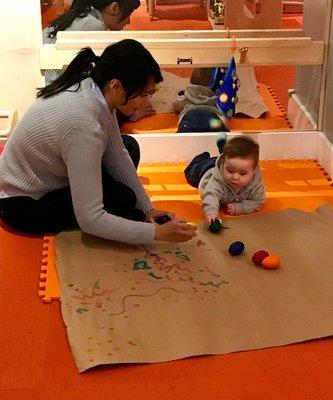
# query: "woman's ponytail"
x,y
127,61
79,69
78,8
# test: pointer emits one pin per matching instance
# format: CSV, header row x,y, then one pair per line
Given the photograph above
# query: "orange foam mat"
x,y
274,119
36,362
299,184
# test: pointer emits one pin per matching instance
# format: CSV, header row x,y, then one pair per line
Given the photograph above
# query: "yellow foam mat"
x,y
301,184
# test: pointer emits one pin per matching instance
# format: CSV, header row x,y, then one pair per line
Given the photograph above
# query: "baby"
x,y
197,107
232,180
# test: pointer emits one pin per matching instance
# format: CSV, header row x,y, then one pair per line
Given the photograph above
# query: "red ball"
x,y
258,257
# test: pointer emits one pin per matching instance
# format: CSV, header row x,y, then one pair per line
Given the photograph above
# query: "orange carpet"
x,y
36,362
170,17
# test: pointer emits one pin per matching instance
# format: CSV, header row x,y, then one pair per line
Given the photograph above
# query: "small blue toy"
x,y
225,84
236,248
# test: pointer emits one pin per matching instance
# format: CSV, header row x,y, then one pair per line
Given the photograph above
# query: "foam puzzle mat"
x,y
301,184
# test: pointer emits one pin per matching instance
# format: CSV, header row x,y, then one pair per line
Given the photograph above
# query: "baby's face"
x,y
238,172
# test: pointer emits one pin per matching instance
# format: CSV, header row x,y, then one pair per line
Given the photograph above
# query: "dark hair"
x,y
243,147
128,61
80,8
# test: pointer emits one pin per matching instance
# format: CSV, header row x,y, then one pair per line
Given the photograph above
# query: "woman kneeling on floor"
x,y
66,166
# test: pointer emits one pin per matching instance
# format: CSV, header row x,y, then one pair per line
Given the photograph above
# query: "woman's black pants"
x,y
54,212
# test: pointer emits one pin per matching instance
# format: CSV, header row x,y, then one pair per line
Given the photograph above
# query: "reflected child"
x,y
197,107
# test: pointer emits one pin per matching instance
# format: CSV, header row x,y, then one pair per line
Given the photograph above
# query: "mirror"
x,y
270,89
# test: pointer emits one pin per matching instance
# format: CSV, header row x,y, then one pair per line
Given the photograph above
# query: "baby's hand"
x,y
211,218
231,209
145,110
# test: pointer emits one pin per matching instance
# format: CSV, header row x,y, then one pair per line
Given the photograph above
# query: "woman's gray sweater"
x,y
61,141
93,21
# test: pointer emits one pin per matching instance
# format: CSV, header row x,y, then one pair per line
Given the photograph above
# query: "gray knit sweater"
x,y
92,22
61,141
197,97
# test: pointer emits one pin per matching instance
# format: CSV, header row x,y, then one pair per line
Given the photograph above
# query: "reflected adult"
x,y
97,15
89,15
65,165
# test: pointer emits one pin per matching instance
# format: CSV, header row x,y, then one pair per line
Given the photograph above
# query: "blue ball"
x,y
236,248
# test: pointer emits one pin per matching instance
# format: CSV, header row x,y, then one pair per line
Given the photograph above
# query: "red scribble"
x,y
142,295
213,273
104,292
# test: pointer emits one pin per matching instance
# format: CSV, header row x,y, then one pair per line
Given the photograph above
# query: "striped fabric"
x,y
92,22
62,140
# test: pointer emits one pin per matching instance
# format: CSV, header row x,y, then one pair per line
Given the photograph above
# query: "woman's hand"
x,y
175,231
231,209
211,218
153,214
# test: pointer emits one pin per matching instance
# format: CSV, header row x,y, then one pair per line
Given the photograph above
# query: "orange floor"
x,y
36,362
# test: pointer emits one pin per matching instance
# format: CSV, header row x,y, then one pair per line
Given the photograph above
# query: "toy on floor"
x,y
163,219
259,256
271,262
263,259
236,248
215,226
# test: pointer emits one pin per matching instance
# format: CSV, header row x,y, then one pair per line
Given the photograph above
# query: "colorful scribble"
x,y
82,310
182,256
211,283
96,291
123,301
154,276
141,265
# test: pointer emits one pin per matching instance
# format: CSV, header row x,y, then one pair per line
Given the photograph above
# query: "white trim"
x,y
298,114
182,147
325,153
11,116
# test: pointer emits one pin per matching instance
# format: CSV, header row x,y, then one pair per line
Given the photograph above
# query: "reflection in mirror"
x,y
198,14
265,97
266,102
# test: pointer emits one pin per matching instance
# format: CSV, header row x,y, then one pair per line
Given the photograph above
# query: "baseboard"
x,y
273,146
298,114
325,153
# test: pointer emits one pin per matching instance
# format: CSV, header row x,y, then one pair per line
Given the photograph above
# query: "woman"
x,y
96,15
89,15
65,165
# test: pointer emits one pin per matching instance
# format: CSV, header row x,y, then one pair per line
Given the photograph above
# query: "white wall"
x,y
20,36
307,85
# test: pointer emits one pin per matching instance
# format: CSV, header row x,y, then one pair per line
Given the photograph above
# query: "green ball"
x,y
215,226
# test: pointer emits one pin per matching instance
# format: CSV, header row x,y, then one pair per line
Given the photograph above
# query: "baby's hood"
x,y
200,95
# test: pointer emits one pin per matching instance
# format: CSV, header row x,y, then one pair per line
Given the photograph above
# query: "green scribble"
x,y
141,265
154,276
81,310
182,256
211,283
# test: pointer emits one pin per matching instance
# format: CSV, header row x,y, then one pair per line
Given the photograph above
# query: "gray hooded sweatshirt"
x,y
197,97
216,192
